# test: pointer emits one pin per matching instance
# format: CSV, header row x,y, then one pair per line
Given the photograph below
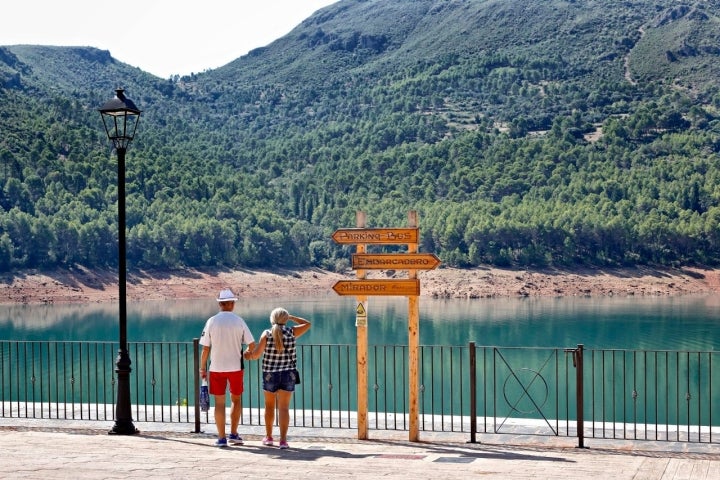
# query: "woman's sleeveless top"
x,y
275,361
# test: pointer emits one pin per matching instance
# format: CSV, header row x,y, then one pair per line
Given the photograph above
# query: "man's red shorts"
x,y
218,382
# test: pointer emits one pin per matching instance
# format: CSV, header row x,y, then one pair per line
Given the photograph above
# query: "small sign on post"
x,y
361,315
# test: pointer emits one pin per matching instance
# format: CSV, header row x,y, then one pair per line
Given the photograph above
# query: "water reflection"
x,y
673,323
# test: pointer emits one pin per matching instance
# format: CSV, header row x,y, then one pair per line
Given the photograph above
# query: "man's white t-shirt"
x,y
225,334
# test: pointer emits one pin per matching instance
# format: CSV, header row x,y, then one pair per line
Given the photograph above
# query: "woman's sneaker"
x,y
283,445
221,442
268,441
236,439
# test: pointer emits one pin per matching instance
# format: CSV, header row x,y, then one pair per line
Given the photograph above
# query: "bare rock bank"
x,y
86,286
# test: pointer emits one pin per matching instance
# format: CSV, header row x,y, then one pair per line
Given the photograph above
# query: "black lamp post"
x,y
120,117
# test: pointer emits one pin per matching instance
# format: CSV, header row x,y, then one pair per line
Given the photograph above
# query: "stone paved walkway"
x,y
88,452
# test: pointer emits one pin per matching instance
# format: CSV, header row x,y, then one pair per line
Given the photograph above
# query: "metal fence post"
x,y
580,398
473,394
196,381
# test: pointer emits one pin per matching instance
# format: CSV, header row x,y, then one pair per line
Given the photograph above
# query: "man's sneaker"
x,y
221,442
236,439
268,441
283,445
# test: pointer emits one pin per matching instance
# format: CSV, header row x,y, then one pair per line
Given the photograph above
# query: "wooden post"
x,y
413,343
362,348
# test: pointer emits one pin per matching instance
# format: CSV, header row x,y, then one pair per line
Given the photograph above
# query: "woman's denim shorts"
x,y
274,381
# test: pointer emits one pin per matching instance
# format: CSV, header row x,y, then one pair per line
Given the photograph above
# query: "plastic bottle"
x,y
204,396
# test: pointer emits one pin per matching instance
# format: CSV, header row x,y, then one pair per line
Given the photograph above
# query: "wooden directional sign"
x,y
378,287
394,236
399,261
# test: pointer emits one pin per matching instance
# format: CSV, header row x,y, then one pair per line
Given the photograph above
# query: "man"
x,y
222,340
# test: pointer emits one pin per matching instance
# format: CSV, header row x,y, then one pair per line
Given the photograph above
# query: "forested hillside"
x,y
524,132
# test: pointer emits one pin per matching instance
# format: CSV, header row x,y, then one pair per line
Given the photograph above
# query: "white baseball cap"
x,y
226,295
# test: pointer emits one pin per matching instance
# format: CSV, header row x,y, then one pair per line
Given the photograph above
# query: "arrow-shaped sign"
x,y
399,261
395,236
378,287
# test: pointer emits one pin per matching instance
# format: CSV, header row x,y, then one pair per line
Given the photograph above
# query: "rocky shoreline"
x,y
85,286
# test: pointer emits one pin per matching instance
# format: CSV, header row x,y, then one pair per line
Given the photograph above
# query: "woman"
x,y
279,362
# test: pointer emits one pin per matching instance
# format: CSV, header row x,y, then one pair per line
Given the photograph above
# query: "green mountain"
x,y
524,132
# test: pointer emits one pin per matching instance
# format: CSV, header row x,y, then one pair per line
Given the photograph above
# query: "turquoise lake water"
x,y
649,323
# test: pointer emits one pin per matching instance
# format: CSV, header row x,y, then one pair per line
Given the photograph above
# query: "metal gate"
x,y
609,394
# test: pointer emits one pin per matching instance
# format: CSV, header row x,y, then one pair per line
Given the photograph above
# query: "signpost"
x,y
412,261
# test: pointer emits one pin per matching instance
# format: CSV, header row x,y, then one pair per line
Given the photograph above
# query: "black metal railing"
x,y
76,380
573,392
653,395
61,380
601,394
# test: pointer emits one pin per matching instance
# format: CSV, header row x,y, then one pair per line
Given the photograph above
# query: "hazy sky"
x,y
162,37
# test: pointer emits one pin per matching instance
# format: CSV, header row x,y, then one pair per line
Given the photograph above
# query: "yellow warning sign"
x,y
361,315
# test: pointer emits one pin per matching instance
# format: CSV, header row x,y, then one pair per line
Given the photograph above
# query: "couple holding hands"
x,y
222,342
